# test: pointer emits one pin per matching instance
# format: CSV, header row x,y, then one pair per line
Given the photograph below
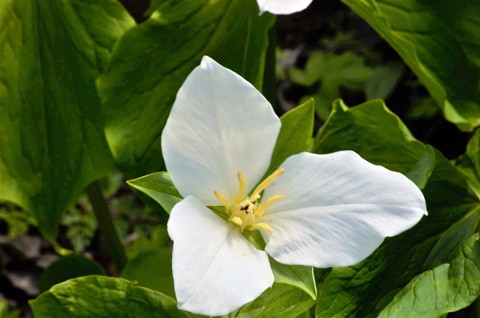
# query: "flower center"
x,y
245,210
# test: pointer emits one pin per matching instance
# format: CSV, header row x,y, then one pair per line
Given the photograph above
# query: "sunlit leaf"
x,y
103,297
151,61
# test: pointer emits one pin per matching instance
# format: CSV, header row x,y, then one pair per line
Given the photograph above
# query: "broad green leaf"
x,y
280,301
440,41
66,268
52,142
151,61
295,135
380,137
103,297
159,187
152,269
444,289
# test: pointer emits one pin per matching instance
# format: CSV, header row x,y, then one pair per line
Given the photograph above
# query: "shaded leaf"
x,y
429,35
66,268
152,269
447,288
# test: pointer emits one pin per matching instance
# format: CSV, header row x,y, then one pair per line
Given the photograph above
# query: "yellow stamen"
x,y
263,226
268,181
261,209
243,187
222,199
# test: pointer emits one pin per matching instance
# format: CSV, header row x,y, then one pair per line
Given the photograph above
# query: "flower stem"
x,y
107,228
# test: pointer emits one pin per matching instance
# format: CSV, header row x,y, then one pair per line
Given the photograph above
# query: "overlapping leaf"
x,y
446,288
51,128
152,60
440,41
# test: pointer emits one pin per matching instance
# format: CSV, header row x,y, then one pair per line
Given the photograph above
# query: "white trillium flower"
x,y
317,210
283,6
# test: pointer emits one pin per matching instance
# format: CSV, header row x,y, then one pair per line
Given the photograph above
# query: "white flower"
x,y
317,210
283,6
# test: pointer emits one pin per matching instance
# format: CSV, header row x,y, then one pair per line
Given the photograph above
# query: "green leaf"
x,y
152,269
440,42
301,277
384,80
469,163
52,142
447,288
151,61
6,312
158,237
66,268
375,133
103,297
280,301
380,137
295,135
159,187
313,70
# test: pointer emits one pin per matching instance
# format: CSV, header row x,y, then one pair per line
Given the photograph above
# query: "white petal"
x,y
215,269
338,209
283,6
219,125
